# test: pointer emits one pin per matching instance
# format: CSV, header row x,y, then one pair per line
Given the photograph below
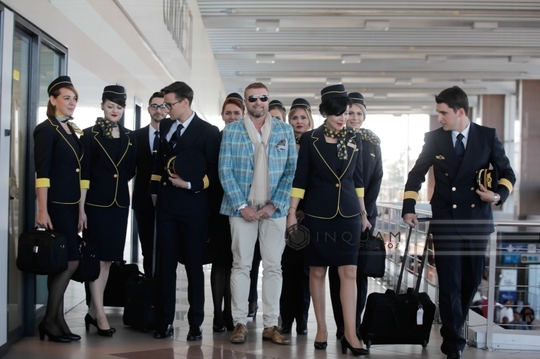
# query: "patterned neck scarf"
x,y
297,139
340,135
106,126
69,121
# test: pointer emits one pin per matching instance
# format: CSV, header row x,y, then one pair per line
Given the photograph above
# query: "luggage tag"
x,y
420,315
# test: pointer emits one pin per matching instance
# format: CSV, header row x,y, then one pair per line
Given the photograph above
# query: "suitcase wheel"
x,y
368,344
424,343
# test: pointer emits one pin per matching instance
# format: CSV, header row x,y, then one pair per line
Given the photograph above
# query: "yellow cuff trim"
x,y
506,183
85,184
297,192
43,182
360,192
206,182
155,178
410,195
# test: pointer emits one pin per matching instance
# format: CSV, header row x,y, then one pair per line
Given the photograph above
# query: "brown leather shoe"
x,y
274,335
240,334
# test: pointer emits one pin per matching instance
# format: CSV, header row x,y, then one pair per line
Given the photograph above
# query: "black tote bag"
x,y
372,255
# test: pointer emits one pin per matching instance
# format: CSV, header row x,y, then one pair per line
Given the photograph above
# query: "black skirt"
x,y
107,228
65,219
333,242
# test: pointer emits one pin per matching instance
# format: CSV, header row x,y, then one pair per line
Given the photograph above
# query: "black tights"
x,y
220,281
54,319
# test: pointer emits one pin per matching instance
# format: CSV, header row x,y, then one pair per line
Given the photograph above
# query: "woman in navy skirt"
x,y
110,155
329,180
58,153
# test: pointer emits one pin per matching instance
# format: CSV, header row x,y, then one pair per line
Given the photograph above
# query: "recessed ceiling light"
x,y
403,81
485,25
435,58
350,59
333,80
264,80
267,25
377,25
519,59
265,58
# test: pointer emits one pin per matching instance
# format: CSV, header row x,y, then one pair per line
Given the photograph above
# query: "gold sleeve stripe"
x,y
360,192
206,182
297,192
85,184
506,183
43,182
410,195
155,178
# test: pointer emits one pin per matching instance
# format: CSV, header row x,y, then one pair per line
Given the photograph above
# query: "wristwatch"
x,y
242,207
363,212
496,198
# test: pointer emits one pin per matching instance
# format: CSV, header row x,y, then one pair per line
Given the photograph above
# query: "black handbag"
x,y
89,267
372,255
42,251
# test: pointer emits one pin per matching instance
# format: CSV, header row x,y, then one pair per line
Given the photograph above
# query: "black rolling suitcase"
x,y
392,318
115,293
141,298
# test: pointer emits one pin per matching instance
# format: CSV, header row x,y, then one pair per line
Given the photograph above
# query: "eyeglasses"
x,y
253,98
170,105
155,106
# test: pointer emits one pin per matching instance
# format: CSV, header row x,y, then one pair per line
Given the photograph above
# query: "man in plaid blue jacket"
x,y
257,162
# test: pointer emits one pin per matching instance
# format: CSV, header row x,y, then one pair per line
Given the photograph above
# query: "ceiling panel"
x,y
422,47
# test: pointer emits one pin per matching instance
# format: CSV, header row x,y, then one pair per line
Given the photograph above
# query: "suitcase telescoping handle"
x,y
422,263
154,249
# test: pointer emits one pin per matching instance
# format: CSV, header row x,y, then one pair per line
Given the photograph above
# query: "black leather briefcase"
x,y
42,252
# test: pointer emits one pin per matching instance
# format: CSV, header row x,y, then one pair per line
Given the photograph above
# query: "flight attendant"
x,y
110,157
329,179
58,153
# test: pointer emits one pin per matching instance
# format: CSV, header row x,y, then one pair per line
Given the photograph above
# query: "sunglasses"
x,y
155,106
253,98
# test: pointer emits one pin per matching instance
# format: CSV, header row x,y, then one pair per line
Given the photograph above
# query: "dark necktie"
x,y
156,143
176,136
460,148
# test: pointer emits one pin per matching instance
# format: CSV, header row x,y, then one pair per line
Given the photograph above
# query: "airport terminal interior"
x,y
397,54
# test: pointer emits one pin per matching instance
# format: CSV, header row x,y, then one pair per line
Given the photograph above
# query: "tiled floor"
x,y
131,344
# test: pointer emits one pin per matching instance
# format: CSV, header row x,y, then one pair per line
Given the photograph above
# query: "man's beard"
x,y
258,113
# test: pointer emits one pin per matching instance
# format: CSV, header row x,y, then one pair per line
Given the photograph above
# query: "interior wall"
x,y
128,43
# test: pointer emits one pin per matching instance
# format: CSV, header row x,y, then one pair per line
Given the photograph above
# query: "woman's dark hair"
x,y
335,106
118,101
51,110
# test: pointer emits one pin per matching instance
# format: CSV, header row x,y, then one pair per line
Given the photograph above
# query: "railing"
x,y
393,230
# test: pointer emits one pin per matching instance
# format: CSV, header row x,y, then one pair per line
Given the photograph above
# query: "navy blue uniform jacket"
x,y
455,205
145,164
108,176
327,192
199,135
58,164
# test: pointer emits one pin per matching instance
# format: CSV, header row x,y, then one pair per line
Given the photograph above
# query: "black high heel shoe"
x,y
103,332
53,338
355,351
71,336
321,345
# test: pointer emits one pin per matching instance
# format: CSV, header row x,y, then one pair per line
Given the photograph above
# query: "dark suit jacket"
x,y
201,136
373,170
327,192
455,205
58,162
145,164
108,175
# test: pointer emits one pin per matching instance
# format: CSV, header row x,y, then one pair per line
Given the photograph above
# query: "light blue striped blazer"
x,y
236,166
